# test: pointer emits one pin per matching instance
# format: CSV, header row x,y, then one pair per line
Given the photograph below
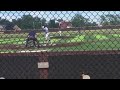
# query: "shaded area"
x,y
97,66
19,67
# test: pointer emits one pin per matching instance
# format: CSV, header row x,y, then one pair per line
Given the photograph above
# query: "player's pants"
x,y
34,40
47,36
60,33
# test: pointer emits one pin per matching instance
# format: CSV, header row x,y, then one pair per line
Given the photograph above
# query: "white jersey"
x,y
46,30
46,33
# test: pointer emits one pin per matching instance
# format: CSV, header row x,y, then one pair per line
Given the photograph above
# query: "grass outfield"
x,y
102,40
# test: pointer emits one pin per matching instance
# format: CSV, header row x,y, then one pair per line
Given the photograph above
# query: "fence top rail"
x,y
63,53
71,29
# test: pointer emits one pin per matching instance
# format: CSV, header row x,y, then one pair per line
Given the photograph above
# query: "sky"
x,y
65,15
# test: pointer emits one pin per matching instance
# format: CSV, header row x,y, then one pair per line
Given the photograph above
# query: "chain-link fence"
x,y
59,44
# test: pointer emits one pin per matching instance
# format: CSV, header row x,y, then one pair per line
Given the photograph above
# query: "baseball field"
x,y
84,40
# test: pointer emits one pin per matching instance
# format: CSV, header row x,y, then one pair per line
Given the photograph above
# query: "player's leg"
x,y
27,40
60,33
47,38
35,40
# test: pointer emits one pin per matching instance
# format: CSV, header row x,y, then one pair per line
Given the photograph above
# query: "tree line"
x,y
30,22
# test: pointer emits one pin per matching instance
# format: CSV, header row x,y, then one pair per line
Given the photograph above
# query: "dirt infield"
x,y
10,46
43,46
47,53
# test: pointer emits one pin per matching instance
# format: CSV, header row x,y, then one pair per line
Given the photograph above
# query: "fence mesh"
x,y
59,44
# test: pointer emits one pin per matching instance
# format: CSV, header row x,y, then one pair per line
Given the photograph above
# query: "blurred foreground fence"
x,y
70,44
61,65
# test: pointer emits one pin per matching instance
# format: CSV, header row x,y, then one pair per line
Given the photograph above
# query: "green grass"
x,y
116,35
103,40
77,38
100,37
104,45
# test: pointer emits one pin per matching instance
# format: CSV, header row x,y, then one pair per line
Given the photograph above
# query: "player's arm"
x,y
36,35
28,36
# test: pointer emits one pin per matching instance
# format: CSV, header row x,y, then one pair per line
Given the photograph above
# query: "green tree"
x,y
29,22
110,19
7,24
25,22
4,21
52,24
94,24
43,21
37,23
79,21
91,24
59,20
